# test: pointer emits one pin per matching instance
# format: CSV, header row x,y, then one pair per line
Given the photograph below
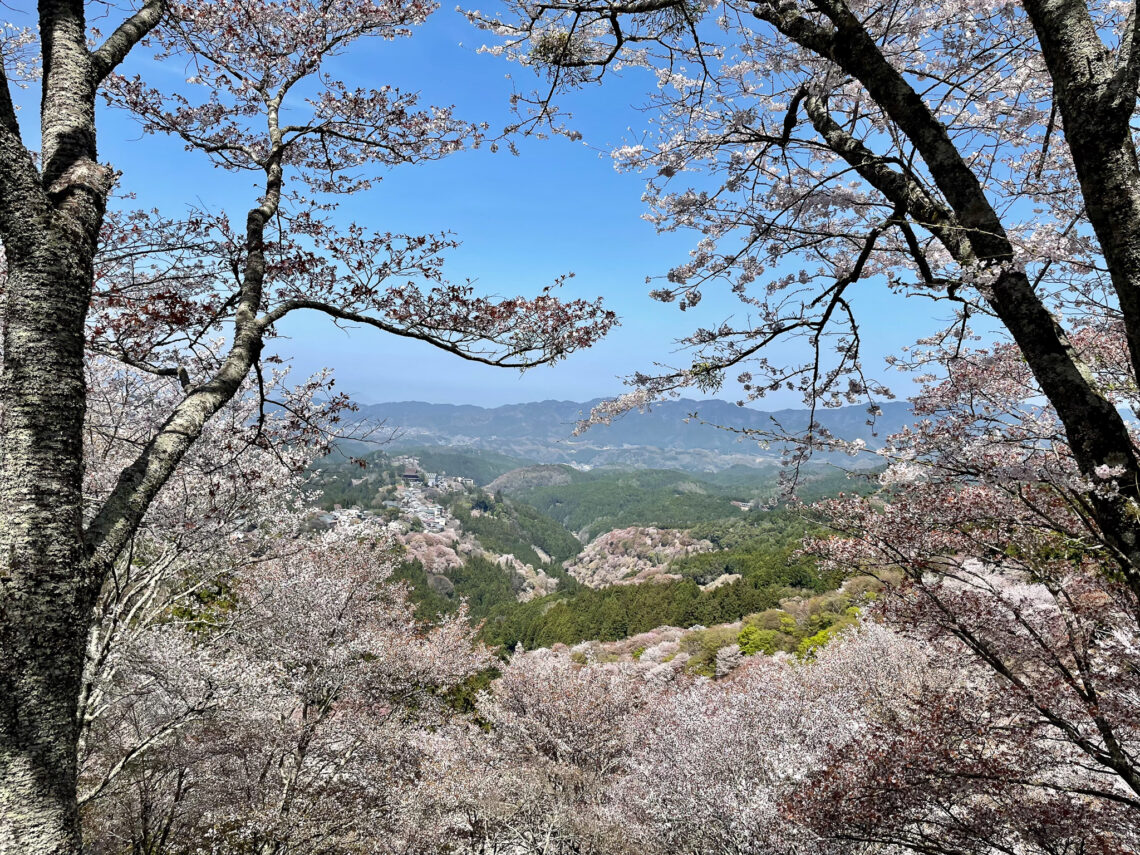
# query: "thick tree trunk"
x,y
45,582
1095,91
49,575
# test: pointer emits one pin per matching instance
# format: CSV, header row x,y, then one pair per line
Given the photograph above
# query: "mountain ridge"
x,y
667,435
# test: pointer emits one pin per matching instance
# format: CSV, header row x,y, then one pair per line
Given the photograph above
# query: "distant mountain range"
x,y
664,437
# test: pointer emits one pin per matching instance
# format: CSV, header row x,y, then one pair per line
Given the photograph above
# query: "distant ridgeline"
x,y
548,553
663,437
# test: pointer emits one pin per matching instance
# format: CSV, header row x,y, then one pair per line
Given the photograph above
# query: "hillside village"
x,y
416,506
415,499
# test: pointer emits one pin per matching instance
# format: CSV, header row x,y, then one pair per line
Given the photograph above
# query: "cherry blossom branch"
x,y
242,53
123,355
1058,368
122,511
549,348
142,747
906,193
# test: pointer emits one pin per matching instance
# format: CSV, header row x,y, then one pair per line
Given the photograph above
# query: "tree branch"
x,y
22,200
902,190
129,33
504,361
1096,104
1063,376
122,512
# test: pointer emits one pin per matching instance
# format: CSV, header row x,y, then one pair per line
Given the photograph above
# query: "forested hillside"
x,y
480,466
763,553
630,578
591,503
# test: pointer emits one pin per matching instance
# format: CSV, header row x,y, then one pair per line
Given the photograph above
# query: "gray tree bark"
x,y
47,581
49,224
50,568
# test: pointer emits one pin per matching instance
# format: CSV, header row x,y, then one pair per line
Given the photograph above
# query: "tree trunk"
x,y
46,580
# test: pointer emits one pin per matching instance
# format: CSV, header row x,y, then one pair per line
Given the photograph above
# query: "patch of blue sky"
x,y
558,206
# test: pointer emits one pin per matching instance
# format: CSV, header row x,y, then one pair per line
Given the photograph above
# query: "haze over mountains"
x,y
665,436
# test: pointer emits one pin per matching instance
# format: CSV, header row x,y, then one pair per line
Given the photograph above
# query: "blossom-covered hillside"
x,y
629,556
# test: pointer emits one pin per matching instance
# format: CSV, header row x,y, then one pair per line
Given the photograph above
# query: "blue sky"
x,y
558,207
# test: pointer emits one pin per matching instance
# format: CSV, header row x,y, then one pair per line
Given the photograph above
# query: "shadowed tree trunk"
x,y
48,582
49,223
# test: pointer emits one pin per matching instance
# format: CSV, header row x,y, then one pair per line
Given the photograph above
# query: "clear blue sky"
x,y
559,206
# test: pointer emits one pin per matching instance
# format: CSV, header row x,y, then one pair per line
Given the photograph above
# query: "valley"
x,y
547,554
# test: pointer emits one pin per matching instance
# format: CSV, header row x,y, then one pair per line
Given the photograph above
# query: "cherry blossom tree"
x,y
559,734
319,681
965,769
982,156
234,500
977,154
1007,572
153,290
718,761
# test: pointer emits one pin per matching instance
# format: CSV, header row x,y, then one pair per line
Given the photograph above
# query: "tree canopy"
x,y
980,155
158,290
